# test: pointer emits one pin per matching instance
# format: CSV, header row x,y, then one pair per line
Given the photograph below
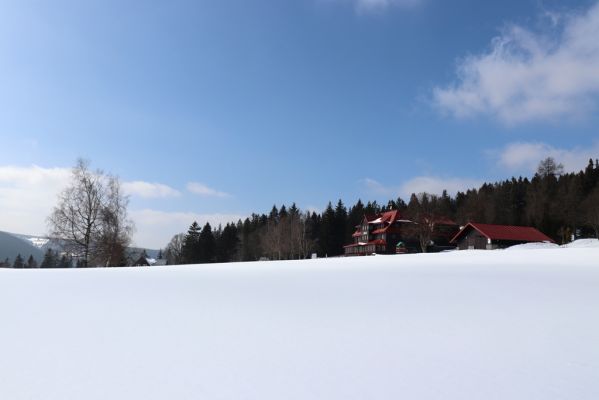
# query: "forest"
x,y
562,205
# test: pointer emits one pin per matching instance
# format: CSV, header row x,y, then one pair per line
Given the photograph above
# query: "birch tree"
x,y
90,218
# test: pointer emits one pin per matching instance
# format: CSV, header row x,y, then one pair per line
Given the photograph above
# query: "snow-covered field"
x,y
463,325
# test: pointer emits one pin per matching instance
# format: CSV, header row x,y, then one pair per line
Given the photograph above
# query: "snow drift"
x,y
460,325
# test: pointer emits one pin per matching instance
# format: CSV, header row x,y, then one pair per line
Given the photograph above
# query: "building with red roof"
x,y
376,234
489,237
382,233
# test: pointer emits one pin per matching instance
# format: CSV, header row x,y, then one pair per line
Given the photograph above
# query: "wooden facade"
x,y
377,234
474,240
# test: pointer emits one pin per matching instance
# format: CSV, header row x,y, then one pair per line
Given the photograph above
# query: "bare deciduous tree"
x,y
91,217
549,167
271,239
422,210
115,228
304,244
174,250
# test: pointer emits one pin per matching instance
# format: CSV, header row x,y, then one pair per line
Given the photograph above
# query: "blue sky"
x,y
214,109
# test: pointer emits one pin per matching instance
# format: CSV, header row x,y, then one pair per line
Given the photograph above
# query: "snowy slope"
x,y
461,325
10,246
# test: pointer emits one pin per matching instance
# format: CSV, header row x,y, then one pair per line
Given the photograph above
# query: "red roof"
x,y
390,217
386,219
505,232
370,217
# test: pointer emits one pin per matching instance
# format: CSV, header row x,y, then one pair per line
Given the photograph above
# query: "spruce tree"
x,y
207,244
191,251
273,216
227,244
341,229
355,216
31,263
50,259
67,262
327,230
19,263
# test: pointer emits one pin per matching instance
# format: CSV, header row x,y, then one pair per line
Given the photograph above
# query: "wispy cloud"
x,y
149,189
155,228
381,4
524,157
28,195
529,75
204,190
419,184
436,185
365,6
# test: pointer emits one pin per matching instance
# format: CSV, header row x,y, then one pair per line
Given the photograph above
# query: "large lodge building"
x,y
388,232
383,232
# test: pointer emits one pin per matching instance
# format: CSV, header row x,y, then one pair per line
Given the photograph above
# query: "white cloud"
x,y
524,157
529,75
436,185
27,196
419,184
154,229
149,189
203,190
380,4
363,6
377,188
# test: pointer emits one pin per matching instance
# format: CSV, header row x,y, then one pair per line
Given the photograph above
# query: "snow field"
x,y
459,325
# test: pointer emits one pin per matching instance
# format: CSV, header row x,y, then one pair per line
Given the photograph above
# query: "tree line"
x,y
562,205
52,259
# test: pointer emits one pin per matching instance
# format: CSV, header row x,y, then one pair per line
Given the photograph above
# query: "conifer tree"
x,y
341,230
19,263
67,262
355,216
227,244
50,259
207,244
191,251
327,230
31,263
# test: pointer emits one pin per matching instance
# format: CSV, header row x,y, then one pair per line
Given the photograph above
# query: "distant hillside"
x,y
11,245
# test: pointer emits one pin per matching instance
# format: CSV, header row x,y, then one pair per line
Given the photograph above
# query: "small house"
x,y
490,237
143,261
